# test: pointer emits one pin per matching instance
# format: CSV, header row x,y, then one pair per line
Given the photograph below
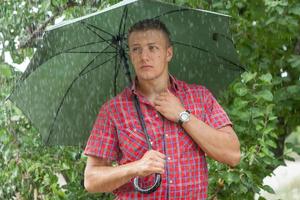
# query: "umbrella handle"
x,y
149,190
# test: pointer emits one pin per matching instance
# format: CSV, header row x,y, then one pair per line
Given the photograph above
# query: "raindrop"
x,y
284,47
22,4
49,13
34,10
284,74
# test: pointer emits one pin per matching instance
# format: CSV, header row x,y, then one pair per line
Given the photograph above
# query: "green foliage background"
x,y
264,104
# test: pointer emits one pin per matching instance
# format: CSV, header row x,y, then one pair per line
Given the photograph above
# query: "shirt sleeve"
x,y
216,117
103,140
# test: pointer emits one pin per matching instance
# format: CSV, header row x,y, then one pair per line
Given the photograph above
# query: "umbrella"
x,y
81,63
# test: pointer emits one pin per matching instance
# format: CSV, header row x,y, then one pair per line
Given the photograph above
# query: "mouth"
x,y
146,66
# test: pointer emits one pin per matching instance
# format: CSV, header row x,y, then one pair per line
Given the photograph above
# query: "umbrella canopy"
x,y
78,67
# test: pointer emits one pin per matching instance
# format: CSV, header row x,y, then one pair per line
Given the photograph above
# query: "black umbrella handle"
x,y
150,189
142,121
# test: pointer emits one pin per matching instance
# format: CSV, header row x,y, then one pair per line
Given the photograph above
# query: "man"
x,y
184,123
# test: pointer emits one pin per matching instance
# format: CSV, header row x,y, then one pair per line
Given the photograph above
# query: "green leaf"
x,y
271,143
240,104
294,60
5,71
293,89
286,157
261,198
295,9
240,89
266,78
248,76
232,177
268,189
268,130
265,94
256,112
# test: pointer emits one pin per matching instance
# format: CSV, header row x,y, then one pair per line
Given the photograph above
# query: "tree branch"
x,y
41,29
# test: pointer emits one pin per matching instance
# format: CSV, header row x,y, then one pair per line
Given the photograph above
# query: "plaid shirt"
x,y
117,136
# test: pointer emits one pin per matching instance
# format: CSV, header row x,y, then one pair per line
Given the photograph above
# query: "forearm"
x,y
220,145
108,178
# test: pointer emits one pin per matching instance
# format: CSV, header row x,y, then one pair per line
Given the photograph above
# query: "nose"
x,y
144,54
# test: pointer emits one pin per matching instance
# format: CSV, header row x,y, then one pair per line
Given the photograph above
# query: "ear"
x,y
169,53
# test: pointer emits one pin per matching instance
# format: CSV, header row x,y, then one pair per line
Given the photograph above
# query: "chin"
x,y
146,76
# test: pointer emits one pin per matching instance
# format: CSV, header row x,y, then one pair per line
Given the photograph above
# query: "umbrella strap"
x,y
141,118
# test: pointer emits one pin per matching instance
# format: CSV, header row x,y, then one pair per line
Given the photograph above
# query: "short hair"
x,y
151,24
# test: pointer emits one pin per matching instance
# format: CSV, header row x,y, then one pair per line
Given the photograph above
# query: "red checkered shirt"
x,y
117,136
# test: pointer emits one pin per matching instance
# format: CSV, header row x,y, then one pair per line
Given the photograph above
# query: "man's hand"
x,y
168,105
152,162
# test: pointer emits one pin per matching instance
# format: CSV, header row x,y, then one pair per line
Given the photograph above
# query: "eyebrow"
x,y
151,43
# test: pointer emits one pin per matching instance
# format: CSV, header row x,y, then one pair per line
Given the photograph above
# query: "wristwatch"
x,y
184,117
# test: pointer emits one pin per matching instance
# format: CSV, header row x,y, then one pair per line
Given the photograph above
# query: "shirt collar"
x,y
173,81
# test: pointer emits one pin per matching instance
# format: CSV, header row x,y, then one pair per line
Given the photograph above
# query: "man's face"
x,y
150,53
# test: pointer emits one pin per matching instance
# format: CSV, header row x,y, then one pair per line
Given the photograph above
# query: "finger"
x,y
158,170
157,158
168,91
161,162
158,102
158,165
159,154
159,108
161,98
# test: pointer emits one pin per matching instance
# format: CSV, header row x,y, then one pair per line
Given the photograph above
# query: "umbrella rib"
x,y
108,33
98,65
24,76
68,90
124,26
170,12
83,45
87,44
123,21
221,57
82,71
116,75
185,9
88,26
70,86
92,52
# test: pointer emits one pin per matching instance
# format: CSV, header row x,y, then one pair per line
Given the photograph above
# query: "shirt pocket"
x,y
132,143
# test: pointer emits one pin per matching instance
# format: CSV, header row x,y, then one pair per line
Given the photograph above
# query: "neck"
x,y
152,88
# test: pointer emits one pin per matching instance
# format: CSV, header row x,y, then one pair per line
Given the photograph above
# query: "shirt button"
x,y
169,158
167,135
156,115
134,130
171,181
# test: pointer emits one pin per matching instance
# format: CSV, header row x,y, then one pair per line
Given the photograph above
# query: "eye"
x,y
152,47
135,49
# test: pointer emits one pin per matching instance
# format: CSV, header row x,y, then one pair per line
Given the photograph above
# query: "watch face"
x,y
185,116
